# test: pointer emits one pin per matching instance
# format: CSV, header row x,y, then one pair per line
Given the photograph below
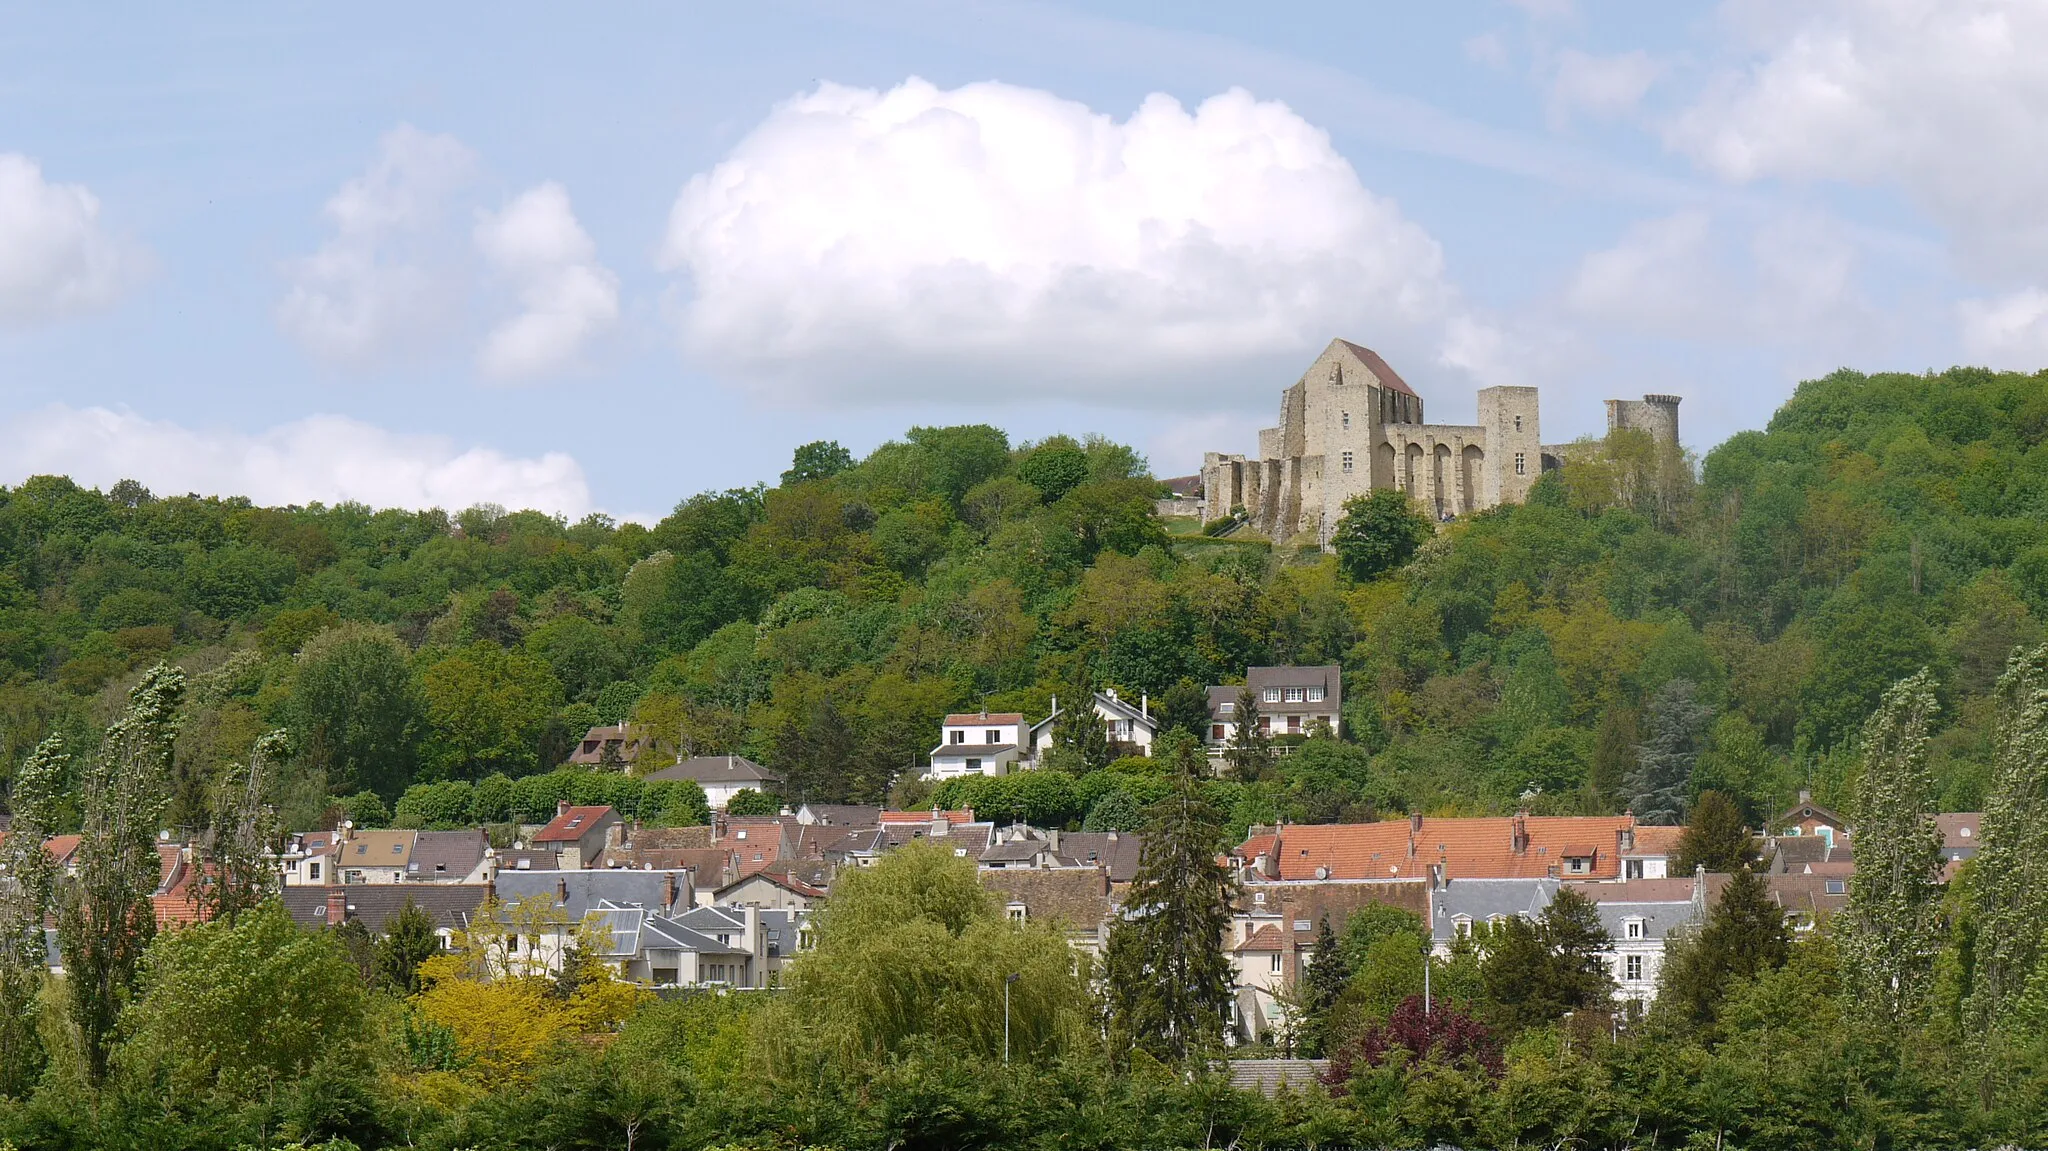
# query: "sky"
x,y
592,259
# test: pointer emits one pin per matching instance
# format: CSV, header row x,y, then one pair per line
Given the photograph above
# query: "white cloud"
x,y
1000,242
324,458
2008,332
1489,48
566,297
1603,86
55,258
1942,98
380,286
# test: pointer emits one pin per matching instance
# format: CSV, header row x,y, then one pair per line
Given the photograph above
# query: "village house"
x,y
721,777
576,835
1291,701
372,856
452,905
618,745
1131,729
977,744
307,858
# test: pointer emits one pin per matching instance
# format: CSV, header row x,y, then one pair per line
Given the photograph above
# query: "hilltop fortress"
x,y
1351,425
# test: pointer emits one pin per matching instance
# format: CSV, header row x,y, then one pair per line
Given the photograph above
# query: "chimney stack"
x,y
668,892
561,807
1521,832
337,905
562,890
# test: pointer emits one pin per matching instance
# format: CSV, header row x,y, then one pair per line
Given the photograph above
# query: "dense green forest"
x,y
1743,614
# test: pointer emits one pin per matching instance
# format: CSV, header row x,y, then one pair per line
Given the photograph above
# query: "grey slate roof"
x,y
1659,919
446,855
375,904
1481,900
726,769
579,892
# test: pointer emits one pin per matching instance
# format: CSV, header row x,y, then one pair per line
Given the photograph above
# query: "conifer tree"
x,y
1168,979
1250,754
1714,837
1078,732
1328,974
1662,779
409,941
2010,876
1745,935
1891,931
24,902
105,918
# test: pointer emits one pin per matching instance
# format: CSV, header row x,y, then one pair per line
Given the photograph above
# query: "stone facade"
x,y
1351,425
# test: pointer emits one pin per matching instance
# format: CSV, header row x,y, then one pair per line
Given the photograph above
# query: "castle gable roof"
x,y
1387,376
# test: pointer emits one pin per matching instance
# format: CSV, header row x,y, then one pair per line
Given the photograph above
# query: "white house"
x,y
722,777
1131,726
985,743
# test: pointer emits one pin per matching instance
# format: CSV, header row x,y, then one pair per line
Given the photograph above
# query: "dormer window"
x,y
1632,929
1272,695
1294,695
1315,695
1462,925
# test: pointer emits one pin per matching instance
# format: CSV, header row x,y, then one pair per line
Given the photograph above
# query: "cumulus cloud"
x,y
566,297
1602,86
55,257
324,458
998,241
1937,97
2010,331
380,285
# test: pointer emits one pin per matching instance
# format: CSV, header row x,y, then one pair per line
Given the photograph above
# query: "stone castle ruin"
x,y
1351,425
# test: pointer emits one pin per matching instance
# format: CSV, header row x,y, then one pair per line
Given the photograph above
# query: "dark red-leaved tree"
x,y
1450,1034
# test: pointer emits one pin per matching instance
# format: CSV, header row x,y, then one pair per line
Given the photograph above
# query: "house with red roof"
x,y
576,834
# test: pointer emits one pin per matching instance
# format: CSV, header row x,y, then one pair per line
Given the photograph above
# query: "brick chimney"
x,y
337,906
668,891
561,890
1520,824
561,807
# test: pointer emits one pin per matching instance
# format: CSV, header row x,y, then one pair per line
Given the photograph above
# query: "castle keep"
x,y
1351,425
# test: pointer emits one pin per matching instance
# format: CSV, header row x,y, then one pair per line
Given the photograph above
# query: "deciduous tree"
x,y
1890,930
1379,532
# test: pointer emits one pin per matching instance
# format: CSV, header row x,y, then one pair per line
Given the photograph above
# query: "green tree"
x,y
1715,838
1055,467
356,711
1115,811
409,940
1077,731
2009,880
1535,972
1168,980
1379,532
1744,936
235,1011
1664,763
241,869
486,710
1323,983
24,905
1891,929
1184,707
817,460
1250,750
105,919
747,801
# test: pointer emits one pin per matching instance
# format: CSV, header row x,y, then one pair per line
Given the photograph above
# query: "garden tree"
x,y
1658,788
105,918
1168,979
1077,731
1115,811
355,711
409,940
912,955
486,709
1745,935
241,863
1440,1031
747,801
817,460
235,1012
24,904
1250,751
2009,880
1890,929
1055,467
1184,707
1715,838
1328,973
1535,972
1379,532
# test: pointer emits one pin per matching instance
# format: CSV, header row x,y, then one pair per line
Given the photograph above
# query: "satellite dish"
x,y
1322,873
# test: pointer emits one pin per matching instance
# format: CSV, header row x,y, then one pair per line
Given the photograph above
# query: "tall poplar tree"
x,y
23,905
2010,877
1168,979
1891,931
243,871
104,915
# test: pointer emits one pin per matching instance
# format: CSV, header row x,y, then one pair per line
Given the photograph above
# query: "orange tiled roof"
x,y
1482,848
1346,851
963,816
1656,840
1266,938
571,825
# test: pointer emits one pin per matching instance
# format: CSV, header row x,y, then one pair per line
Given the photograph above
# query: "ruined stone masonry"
x,y
1350,425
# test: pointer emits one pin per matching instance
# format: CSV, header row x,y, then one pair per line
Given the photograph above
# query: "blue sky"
x,y
452,253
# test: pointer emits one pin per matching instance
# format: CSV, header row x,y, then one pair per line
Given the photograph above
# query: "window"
x,y
1632,869
1225,708
1838,887
992,735
1315,695
1216,731
1018,912
1578,865
1275,968
1347,422
1347,461
1521,464
959,737
313,871
1294,723
1294,695
740,834
1462,924
1633,929
1272,695
974,765
1518,423
1634,967
1266,724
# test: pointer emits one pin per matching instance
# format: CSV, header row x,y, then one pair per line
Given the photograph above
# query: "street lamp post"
x,y
1007,981
1428,1007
